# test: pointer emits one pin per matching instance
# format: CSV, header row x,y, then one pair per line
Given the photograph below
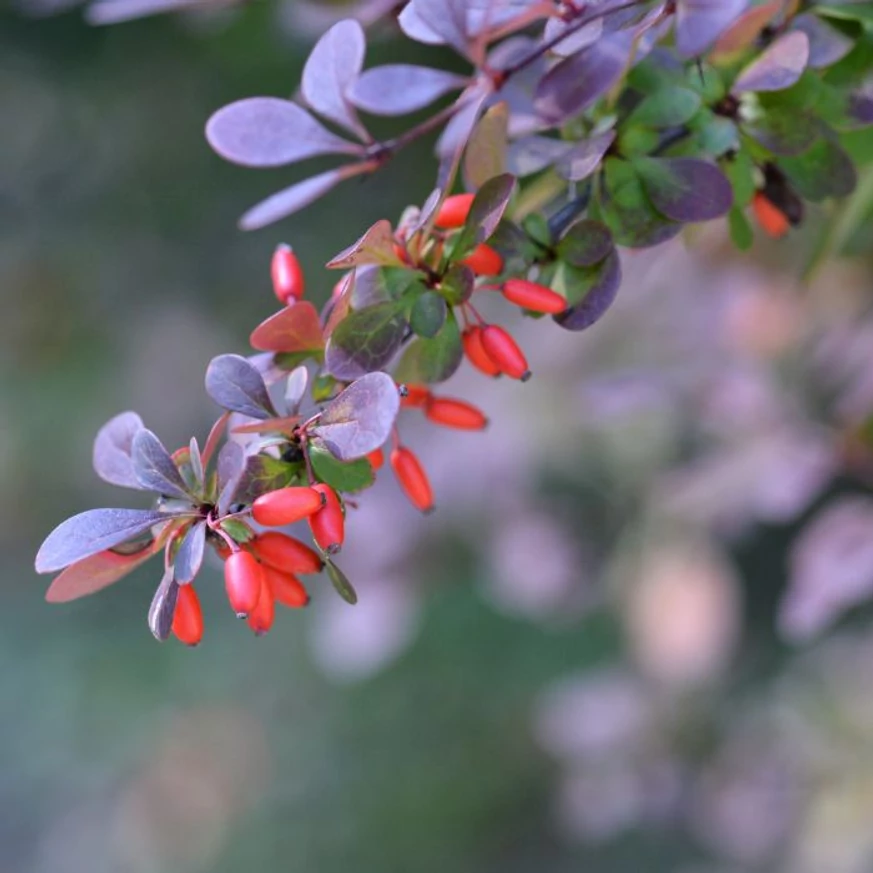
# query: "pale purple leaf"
x,y
116,11
289,200
229,467
532,154
331,68
779,67
112,447
196,460
295,389
700,22
91,532
457,132
271,132
154,468
827,45
360,419
189,558
579,38
234,384
163,607
435,22
396,89
585,157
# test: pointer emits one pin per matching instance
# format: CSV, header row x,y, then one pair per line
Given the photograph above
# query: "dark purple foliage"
x,y
234,384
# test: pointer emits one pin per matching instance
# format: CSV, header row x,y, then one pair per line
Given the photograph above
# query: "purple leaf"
x,y
271,132
360,419
163,607
779,67
234,384
230,466
365,340
784,132
585,243
580,37
435,22
533,154
293,329
685,189
331,68
826,44
457,132
605,281
585,157
487,209
295,389
112,448
189,558
91,532
396,89
289,200
700,22
99,571
577,82
154,468
117,11
376,246
196,461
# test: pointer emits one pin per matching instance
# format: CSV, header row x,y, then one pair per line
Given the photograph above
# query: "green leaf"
x,y
783,131
428,314
741,231
637,140
707,81
585,243
740,171
397,281
824,170
365,341
323,387
485,157
537,228
667,107
263,473
457,284
345,476
237,530
432,360
712,136
340,581
848,11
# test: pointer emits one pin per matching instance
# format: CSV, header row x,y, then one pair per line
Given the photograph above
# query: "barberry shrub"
x,y
580,128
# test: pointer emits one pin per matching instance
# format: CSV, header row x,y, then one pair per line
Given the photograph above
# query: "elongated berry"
x,y
504,351
455,413
532,296
773,221
328,524
188,616
412,478
454,211
376,459
286,505
287,275
260,619
286,553
243,578
287,588
475,352
484,261
416,395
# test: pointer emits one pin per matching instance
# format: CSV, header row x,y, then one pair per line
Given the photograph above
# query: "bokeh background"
x,y
634,635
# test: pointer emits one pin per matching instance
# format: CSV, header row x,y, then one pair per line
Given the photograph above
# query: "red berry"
x,y
476,354
484,261
455,413
243,579
260,619
286,505
376,459
773,221
412,478
287,275
287,588
328,524
188,617
286,553
503,350
536,298
454,211
416,395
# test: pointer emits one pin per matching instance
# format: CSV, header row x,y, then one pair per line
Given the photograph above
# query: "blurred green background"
x,y
121,274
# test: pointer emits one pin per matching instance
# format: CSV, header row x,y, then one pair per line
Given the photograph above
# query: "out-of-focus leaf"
x,y
740,171
585,157
271,132
667,107
783,132
824,170
229,469
685,189
579,38
397,89
347,476
331,70
457,284
189,558
112,448
457,132
700,22
827,45
742,235
589,291
234,384
532,154
485,213
432,360
293,329
376,246
428,314
100,570
295,389
778,67
585,243
746,29
154,468
436,21
196,461
339,581
94,531
365,341
360,419
485,157
163,607
290,200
